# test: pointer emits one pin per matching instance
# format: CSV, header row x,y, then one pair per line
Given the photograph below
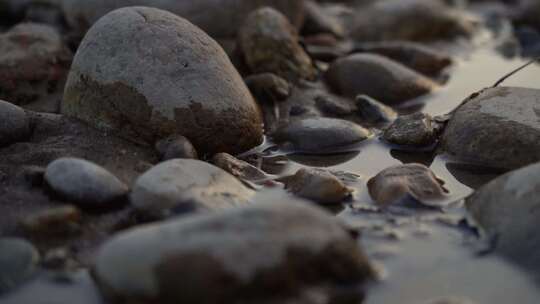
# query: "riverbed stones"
x,y
218,18
33,62
379,77
507,210
373,111
196,259
14,124
498,127
321,135
239,168
410,184
318,185
178,185
145,74
18,262
270,44
176,146
414,130
84,183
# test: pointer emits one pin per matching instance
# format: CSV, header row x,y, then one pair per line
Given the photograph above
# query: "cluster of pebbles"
x,y
137,139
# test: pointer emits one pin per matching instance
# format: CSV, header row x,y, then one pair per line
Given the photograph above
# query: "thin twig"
x,y
515,71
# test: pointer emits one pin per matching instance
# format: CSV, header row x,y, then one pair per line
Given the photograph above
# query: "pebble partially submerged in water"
x,y
407,184
414,130
232,257
372,111
318,185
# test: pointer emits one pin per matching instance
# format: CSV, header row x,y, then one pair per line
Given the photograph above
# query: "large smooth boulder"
x,y
145,74
499,127
219,18
247,255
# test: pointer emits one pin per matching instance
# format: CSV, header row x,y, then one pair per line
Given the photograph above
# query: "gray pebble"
x,y
14,124
18,262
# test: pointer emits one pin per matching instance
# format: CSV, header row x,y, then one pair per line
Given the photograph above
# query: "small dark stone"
x,y
267,87
176,146
372,111
415,130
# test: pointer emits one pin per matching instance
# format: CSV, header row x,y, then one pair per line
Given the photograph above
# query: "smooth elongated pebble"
x,y
176,146
146,74
14,124
499,127
239,168
321,135
318,185
84,183
218,18
183,184
405,184
270,44
18,262
196,259
507,210
378,77
416,130
372,111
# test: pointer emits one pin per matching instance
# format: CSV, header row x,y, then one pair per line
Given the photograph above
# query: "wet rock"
x,y
318,185
270,44
321,135
60,221
498,127
268,87
239,168
372,111
218,18
406,184
426,20
378,77
181,185
146,74
14,124
415,130
84,183
18,262
195,259
416,56
318,21
176,146
33,62
333,106
507,210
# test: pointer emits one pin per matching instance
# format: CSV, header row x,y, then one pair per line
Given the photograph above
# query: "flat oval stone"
x,y
14,124
145,74
499,127
18,261
84,183
181,185
318,185
231,256
321,135
378,77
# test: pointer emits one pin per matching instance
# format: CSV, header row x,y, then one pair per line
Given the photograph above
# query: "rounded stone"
x,y
414,130
378,77
14,124
321,135
84,183
318,185
232,256
176,146
18,261
146,74
499,127
185,184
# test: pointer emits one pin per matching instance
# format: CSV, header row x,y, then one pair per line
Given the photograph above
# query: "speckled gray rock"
x,y
18,262
507,209
14,123
500,127
321,135
219,18
318,185
270,44
84,184
425,20
230,257
145,74
414,130
372,111
180,185
176,146
377,76
407,184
